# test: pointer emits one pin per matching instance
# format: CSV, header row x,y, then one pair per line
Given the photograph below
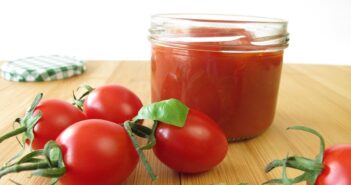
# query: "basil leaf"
x,y
170,111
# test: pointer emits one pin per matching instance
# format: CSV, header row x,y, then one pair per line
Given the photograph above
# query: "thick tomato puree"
x,y
237,89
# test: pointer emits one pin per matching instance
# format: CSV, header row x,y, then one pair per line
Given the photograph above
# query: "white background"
x,y
117,30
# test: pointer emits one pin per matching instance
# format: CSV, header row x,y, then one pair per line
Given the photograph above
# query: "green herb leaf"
x,y
170,111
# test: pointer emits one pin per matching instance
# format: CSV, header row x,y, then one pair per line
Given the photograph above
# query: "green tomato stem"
x,y
295,162
311,167
24,167
27,123
78,102
151,140
285,178
13,133
139,151
47,162
320,156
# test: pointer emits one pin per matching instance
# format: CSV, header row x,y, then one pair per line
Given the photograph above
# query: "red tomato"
x,y
113,103
197,147
96,152
57,115
337,166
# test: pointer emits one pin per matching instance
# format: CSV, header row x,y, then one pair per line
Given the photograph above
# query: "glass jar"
x,y
223,65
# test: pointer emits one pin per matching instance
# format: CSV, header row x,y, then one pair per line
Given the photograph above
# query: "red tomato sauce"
x,y
237,89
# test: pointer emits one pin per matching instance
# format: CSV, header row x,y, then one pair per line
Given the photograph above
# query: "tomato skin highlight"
x,y
197,147
96,152
113,103
57,115
337,170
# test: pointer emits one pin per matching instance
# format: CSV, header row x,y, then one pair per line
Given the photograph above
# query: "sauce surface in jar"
x,y
233,81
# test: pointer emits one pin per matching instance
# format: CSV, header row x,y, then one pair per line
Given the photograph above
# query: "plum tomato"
x,y
196,147
96,152
57,115
113,103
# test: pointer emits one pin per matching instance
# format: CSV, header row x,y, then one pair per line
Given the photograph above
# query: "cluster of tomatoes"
x,y
96,138
93,141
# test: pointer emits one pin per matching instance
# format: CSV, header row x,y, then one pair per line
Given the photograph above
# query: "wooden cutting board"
x,y
312,95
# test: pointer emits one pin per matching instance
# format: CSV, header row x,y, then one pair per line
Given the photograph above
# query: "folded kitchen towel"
x,y
42,68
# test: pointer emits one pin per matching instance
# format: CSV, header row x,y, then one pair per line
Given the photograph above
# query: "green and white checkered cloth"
x,y
42,68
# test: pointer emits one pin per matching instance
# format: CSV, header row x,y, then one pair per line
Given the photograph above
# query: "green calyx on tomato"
x,y
171,111
79,102
46,162
26,123
44,121
312,168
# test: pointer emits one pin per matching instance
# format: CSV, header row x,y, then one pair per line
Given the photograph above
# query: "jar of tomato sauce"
x,y
225,66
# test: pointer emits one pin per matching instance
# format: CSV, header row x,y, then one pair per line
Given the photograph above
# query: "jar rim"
x,y
230,33
225,18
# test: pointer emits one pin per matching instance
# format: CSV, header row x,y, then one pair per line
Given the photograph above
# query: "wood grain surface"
x,y
312,95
